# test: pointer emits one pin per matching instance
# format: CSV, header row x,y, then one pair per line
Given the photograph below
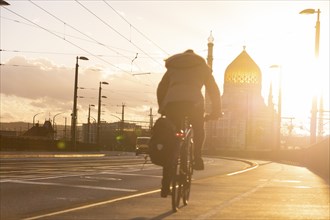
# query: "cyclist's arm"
x,y
214,94
162,88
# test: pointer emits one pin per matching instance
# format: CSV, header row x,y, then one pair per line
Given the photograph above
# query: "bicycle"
x,y
182,169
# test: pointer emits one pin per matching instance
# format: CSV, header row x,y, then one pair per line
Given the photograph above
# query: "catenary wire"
x,y
135,28
112,28
67,41
124,71
86,35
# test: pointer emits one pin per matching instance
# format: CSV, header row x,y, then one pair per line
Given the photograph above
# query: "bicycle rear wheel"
x,y
176,187
188,170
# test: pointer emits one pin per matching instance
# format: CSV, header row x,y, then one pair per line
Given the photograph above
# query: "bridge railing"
x,y
315,157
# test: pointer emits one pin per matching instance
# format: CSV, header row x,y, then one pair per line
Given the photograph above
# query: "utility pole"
x,y
99,113
74,108
89,123
122,118
151,123
65,128
313,126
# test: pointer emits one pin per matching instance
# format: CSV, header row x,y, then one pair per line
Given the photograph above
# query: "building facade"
x,y
247,123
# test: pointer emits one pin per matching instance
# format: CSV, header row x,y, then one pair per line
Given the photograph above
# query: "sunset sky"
x,y
127,41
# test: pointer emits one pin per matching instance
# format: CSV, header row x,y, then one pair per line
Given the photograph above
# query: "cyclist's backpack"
x,y
162,142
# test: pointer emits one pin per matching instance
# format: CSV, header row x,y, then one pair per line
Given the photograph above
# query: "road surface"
x,y
124,187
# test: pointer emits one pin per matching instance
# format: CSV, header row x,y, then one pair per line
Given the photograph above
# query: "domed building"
x,y
248,123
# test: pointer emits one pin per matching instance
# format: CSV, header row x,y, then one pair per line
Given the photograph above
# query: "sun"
x,y
300,83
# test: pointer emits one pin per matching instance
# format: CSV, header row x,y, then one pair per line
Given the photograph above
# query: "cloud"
x,y
29,86
35,79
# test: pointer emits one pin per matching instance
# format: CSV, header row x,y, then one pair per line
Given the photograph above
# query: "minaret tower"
x,y
210,63
209,126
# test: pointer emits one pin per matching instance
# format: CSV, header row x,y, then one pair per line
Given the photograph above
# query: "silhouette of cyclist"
x,y
179,94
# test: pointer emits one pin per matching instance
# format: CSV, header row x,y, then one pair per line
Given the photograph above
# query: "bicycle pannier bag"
x,y
162,141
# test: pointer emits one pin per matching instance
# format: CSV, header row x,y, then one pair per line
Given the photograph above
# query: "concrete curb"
x,y
24,154
46,155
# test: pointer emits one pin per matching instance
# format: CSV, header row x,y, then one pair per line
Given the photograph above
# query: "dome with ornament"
x,y
243,71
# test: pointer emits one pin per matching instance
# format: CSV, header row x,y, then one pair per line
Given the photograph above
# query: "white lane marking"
x,y
78,155
6,178
74,186
15,156
130,174
243,171
36,177
101,178
286,181
142,194
91,205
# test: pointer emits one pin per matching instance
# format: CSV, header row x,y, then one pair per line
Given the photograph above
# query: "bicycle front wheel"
x,y
188,170
176,188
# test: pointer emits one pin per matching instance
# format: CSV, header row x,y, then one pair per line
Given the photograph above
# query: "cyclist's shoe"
x,y
165,191
198,164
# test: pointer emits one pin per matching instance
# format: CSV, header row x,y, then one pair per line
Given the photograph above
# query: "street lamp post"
x,y
93,119
74,111
55,117
317,28
92,131
88,122
120,120
99,112
35,116
317,46
54,123
279,106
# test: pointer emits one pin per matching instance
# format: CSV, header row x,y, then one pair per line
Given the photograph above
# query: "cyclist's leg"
x,y
165,190
169,171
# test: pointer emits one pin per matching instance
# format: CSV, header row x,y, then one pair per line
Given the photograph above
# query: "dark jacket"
x,y
186,74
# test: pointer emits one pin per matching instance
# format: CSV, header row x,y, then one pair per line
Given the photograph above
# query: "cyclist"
x,y
179,94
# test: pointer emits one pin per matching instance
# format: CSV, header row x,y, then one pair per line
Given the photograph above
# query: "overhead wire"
x,y
52,52
102,44
135,28
65,40
31,25
96,41
57,35
36,52
112,28
72,36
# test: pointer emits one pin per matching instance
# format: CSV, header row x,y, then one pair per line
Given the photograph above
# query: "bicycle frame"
x,y
183,168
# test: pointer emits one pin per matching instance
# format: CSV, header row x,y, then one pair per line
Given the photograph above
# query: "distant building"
x,y
109,132
41,132
248,123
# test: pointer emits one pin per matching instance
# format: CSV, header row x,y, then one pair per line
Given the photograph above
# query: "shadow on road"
x,y
161,216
